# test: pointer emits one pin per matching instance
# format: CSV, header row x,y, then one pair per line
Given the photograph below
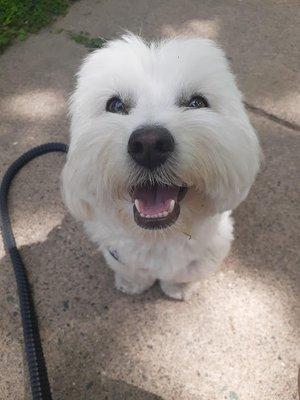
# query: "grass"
x,y
18,18
86,40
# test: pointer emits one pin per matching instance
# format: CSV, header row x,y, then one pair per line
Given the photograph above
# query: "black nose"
x,y
150,146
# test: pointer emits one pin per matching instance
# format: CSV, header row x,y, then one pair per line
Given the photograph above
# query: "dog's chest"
x,y
160,260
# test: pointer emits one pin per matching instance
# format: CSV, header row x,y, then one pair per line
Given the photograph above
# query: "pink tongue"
x,y
155,199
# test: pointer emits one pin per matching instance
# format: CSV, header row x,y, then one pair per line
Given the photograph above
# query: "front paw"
x,y
179,291
125,285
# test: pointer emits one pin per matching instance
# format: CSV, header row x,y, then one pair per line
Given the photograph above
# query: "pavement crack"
x,y
272,117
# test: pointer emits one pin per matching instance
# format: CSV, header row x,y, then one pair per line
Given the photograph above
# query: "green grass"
x,y
86,40
18,18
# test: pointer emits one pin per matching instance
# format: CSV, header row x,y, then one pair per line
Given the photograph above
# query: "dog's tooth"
x,y
143,215
137,205
165,213
171,206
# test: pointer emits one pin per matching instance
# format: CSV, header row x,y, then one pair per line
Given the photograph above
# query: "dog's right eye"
x,y
116,105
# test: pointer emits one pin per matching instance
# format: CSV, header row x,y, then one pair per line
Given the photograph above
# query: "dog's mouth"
x,y
156,206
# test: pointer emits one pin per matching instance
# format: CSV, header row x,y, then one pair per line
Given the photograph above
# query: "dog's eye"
x,y
116,105
198,102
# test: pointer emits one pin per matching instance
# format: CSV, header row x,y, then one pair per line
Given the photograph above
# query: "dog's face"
x,y
156,131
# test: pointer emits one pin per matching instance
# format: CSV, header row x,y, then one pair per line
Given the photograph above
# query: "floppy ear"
x,y
238,169
74,189
224,201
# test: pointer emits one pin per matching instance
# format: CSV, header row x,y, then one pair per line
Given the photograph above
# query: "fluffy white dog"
x,y
161,151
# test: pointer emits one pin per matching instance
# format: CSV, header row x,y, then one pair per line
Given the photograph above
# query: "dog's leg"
x,y
132,286
179,291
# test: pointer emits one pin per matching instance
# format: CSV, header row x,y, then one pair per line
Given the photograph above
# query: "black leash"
x,y
39,381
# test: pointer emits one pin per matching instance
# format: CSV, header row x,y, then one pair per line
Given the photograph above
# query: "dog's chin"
x,y
156,206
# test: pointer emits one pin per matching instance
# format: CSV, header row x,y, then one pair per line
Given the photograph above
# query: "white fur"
x,y
217,155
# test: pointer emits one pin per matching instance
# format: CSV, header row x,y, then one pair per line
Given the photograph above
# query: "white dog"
x,y
161,151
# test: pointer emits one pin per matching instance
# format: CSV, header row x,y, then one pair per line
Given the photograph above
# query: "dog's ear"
x,y
75,194
227,200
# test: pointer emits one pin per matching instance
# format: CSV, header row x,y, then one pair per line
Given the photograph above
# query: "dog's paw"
x,y
125,285
179,291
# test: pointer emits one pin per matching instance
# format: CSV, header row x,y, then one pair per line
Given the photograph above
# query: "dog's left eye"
x,y
116,105
198,102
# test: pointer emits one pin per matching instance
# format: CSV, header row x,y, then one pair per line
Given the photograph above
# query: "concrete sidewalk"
x,y
237,339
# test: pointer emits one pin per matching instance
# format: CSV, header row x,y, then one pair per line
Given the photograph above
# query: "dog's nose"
x,y
150,146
